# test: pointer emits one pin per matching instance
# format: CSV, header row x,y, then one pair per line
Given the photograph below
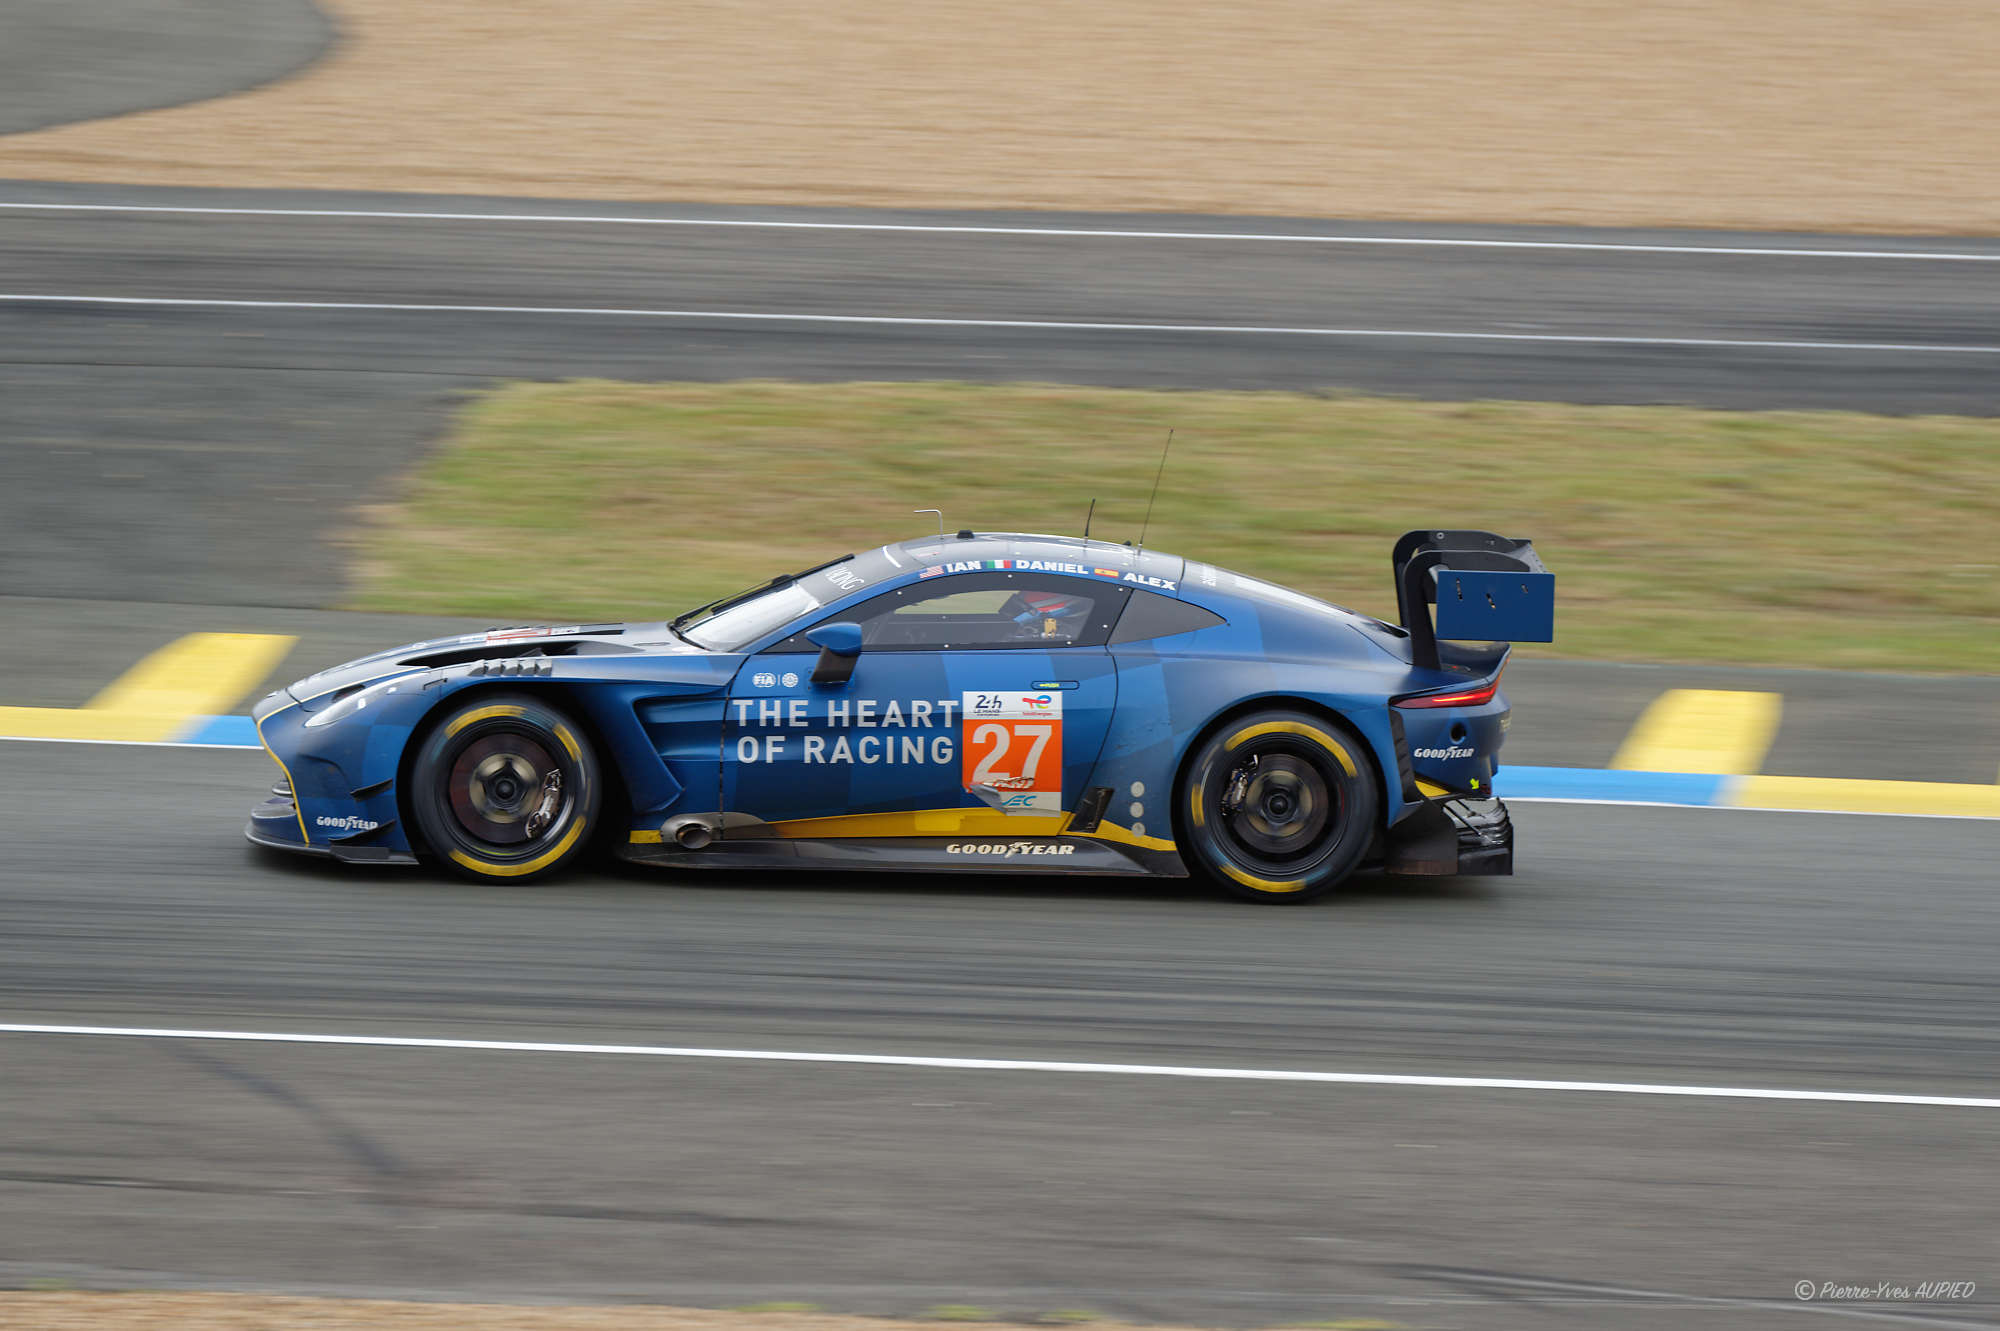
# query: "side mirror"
x,y
838,645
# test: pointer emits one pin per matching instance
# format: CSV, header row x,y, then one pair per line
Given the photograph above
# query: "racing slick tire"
x,y
1279,806
505,787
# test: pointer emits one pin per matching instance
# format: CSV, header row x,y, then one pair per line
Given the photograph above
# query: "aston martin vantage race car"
x,y
986,701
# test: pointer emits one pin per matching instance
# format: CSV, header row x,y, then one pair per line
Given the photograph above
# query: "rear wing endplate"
x,y
1485,588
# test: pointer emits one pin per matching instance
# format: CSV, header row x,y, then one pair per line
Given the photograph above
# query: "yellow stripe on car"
x,y
298,810
934,822
1125,836
922,822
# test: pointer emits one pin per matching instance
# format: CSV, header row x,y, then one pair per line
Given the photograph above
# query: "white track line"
x,y
1015,1065
747,316
1090,233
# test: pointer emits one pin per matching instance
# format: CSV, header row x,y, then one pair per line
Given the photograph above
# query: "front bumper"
x,y
1452,835
275,823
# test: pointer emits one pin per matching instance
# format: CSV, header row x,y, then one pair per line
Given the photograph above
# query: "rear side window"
x,y
1150,615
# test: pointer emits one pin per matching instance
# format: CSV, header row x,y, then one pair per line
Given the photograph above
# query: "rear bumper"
x,y
1452,835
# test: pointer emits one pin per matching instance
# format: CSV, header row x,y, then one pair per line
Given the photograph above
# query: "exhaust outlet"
x,y
693,835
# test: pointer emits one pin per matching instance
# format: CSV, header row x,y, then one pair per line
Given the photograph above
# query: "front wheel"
x,y
1279,806
505,787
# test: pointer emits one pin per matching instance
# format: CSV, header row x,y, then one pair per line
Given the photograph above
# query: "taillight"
x,y
1476,696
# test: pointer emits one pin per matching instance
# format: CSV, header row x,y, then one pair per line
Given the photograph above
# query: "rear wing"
x,y
1485,588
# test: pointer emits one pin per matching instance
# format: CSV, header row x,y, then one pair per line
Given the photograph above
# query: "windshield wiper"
x,y
723,603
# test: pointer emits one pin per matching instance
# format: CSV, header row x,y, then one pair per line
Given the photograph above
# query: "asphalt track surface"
x,y
1712,948
230,383
1653,946
61,60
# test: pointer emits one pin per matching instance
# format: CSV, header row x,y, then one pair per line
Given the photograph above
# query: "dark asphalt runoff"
x,y
208,453
1703,947
64,60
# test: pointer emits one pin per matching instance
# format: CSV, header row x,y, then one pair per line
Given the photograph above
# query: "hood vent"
x,y
491,652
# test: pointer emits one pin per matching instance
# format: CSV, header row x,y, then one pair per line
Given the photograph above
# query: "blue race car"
x,y
986,701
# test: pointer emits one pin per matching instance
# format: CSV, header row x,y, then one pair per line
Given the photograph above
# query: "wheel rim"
x,y
506,792
1281,808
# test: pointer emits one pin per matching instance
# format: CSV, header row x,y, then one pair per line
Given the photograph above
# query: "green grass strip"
x,y
1822,539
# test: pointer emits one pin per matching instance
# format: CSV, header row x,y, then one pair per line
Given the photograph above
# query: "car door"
x,y
985,691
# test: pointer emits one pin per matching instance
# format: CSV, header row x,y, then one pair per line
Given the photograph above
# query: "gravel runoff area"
x,y
1841,115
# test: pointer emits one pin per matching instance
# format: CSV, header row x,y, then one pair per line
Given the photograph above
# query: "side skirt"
x,y
956,854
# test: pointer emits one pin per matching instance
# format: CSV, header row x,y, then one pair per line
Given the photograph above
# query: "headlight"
x,y
356,702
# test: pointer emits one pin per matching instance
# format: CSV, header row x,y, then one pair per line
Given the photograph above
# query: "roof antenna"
x,y
940,518
1088,515
1156,489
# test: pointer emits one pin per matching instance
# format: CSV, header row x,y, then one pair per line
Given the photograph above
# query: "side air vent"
x,y
520,666
1089,810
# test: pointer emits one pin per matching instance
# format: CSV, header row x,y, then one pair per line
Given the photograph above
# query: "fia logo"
x,y
764,679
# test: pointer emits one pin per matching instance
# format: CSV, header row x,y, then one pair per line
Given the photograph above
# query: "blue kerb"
x,y
1604,783
238,730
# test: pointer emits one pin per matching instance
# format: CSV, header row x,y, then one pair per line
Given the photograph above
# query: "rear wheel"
x,y
1279,806
505,787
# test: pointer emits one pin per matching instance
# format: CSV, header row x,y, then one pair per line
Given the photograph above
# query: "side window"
x,y
1150,615
983,612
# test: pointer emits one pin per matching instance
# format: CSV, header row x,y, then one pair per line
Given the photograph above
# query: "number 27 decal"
x,y
1013,743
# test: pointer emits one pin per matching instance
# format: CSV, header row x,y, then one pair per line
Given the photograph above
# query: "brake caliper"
x,y
545,809
1238,787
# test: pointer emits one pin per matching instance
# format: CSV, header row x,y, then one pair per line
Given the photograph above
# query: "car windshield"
x,y
735,627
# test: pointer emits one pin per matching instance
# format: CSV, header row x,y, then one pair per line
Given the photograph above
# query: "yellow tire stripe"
x,y
542,861
1325,740
1262,884
484,714
1721,731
